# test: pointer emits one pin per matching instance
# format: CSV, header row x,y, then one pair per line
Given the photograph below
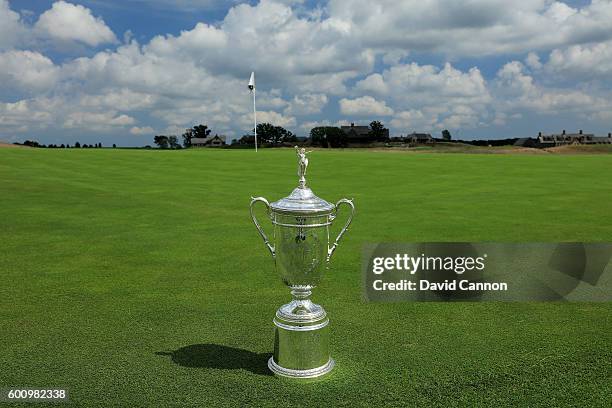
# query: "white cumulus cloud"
x,y
28,71
306,104
272,117
97,120
426,96
472,28
72,22
518,91
580,61
12,29
364,106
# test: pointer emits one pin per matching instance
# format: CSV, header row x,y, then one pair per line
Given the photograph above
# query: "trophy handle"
x,y
331,250
261,231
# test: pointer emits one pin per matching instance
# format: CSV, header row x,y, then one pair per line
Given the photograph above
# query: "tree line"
x,y
267,134
77,145
274,136
333,136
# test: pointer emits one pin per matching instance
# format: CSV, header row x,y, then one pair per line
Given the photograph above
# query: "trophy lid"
x,y
302,200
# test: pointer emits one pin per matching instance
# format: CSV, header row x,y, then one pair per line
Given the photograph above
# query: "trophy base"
x,y
312,373
301,344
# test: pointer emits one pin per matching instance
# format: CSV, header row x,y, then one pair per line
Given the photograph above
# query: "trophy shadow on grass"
x,y
219,357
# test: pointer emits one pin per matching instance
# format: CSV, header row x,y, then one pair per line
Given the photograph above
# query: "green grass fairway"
x,y
136,278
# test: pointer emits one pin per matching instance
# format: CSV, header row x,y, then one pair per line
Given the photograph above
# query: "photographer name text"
x,y
432,264
453,285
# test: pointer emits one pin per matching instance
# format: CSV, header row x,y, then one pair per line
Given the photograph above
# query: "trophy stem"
x,y
300,293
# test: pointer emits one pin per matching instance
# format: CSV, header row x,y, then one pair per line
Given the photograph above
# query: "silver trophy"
x,y
301,252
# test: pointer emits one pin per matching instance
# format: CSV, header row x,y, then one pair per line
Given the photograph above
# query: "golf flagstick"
x,y
252,88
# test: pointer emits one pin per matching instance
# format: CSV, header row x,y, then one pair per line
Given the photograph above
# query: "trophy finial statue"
x,y
302,165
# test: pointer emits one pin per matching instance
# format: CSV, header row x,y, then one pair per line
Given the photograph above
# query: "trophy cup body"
x,y
301,250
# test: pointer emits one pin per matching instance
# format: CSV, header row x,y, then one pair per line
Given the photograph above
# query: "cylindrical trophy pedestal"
x,y
301,349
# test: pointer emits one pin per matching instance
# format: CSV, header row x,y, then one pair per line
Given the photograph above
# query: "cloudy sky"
x,y
122,71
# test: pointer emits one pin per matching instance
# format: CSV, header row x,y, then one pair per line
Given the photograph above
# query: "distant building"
x,y
357,134
572,138
361,134
198,141
419,138
216,141
210,141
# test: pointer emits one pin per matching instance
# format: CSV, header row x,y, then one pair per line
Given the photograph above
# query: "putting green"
x,y
135,277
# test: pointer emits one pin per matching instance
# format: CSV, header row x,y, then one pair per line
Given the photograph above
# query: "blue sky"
x,y
123,71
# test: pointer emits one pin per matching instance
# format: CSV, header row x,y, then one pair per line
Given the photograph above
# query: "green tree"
x,y
247,140
274,135
187,136
446,135
328,136
197,131
378,132
161,141
173,142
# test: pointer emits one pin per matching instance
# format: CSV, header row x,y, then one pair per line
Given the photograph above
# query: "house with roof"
x,y
361,134
210,141
419,138
357,134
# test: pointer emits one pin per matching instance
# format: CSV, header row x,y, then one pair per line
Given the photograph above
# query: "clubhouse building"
x,y
360,134
572,138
